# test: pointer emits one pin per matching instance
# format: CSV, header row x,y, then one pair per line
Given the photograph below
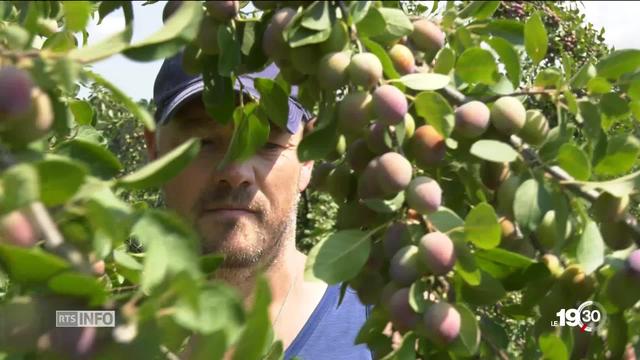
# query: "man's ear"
x,y
150,140
305,175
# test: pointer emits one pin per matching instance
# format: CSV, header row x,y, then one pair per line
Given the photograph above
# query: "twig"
x,y
353,33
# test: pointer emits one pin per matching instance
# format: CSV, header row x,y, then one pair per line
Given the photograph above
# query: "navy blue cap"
x,y
173,88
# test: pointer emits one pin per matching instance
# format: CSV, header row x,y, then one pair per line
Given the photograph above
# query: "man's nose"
x,y
235,174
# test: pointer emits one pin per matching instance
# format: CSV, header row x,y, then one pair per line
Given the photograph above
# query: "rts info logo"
x,y
589,316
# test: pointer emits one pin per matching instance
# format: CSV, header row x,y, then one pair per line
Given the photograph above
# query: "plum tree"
x,y
506,194
401,314
472,119
208,36
427,146
273,43
616,234
305,59
610,208
16,229
393,173
365,70
404,266
442,323
402,59
23,129
354,112
548,232
389,104
339,183
437,252
222,10
623,288
493,174
359,155
508,115
16,86
395,237
536,128
320,174
427,37
332,70
424,195
338,40
378,138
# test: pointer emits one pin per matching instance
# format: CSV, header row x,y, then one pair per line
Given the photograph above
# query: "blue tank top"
x,y
331,330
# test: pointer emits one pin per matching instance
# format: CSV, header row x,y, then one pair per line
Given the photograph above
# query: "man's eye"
x,y
271,146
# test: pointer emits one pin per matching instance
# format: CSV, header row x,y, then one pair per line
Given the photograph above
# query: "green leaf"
x,y
82,112
574,161
619,62
111,45
387,66
171,248
634,90
421,81
276,352
302,36
479,9
590,252
385,206
76,14
416,296
488,292
445,60
97,158
622,154
619,187
254,338
76,284
32,265
552,347
406,350
481,226
511,30
60,179
509,57
180,29
549,78
532,200
372,24
161,170
436,111
635,109
582,77
613,108
338,257
274,100
21,186
136,110
465,266
468,342
250,133
316,16
599,85
230,55
477,65
535,38
218,93
358,10
493,150
445,219
315,146
397,24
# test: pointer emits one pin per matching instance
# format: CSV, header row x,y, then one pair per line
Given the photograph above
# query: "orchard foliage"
x,y
454,193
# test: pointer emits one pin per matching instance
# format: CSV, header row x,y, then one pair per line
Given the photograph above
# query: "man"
x,y
247,211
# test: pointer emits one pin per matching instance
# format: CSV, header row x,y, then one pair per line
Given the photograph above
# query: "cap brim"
x,y
297,113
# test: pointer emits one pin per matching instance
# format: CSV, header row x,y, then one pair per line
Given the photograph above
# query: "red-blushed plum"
x,y
359,155
222,10
442,323
354,112
424,195
437,252
393,173
402,59
332,70
427,146
472,119
401,314
365,70
273,43
427,36
389,105
396,237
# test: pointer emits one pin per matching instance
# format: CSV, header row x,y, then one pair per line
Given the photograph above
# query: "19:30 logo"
x,y
589,317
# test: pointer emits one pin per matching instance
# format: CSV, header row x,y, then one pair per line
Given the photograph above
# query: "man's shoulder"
x,y
331,330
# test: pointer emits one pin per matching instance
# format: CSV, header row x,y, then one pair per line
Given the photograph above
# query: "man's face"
x,y
244,210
